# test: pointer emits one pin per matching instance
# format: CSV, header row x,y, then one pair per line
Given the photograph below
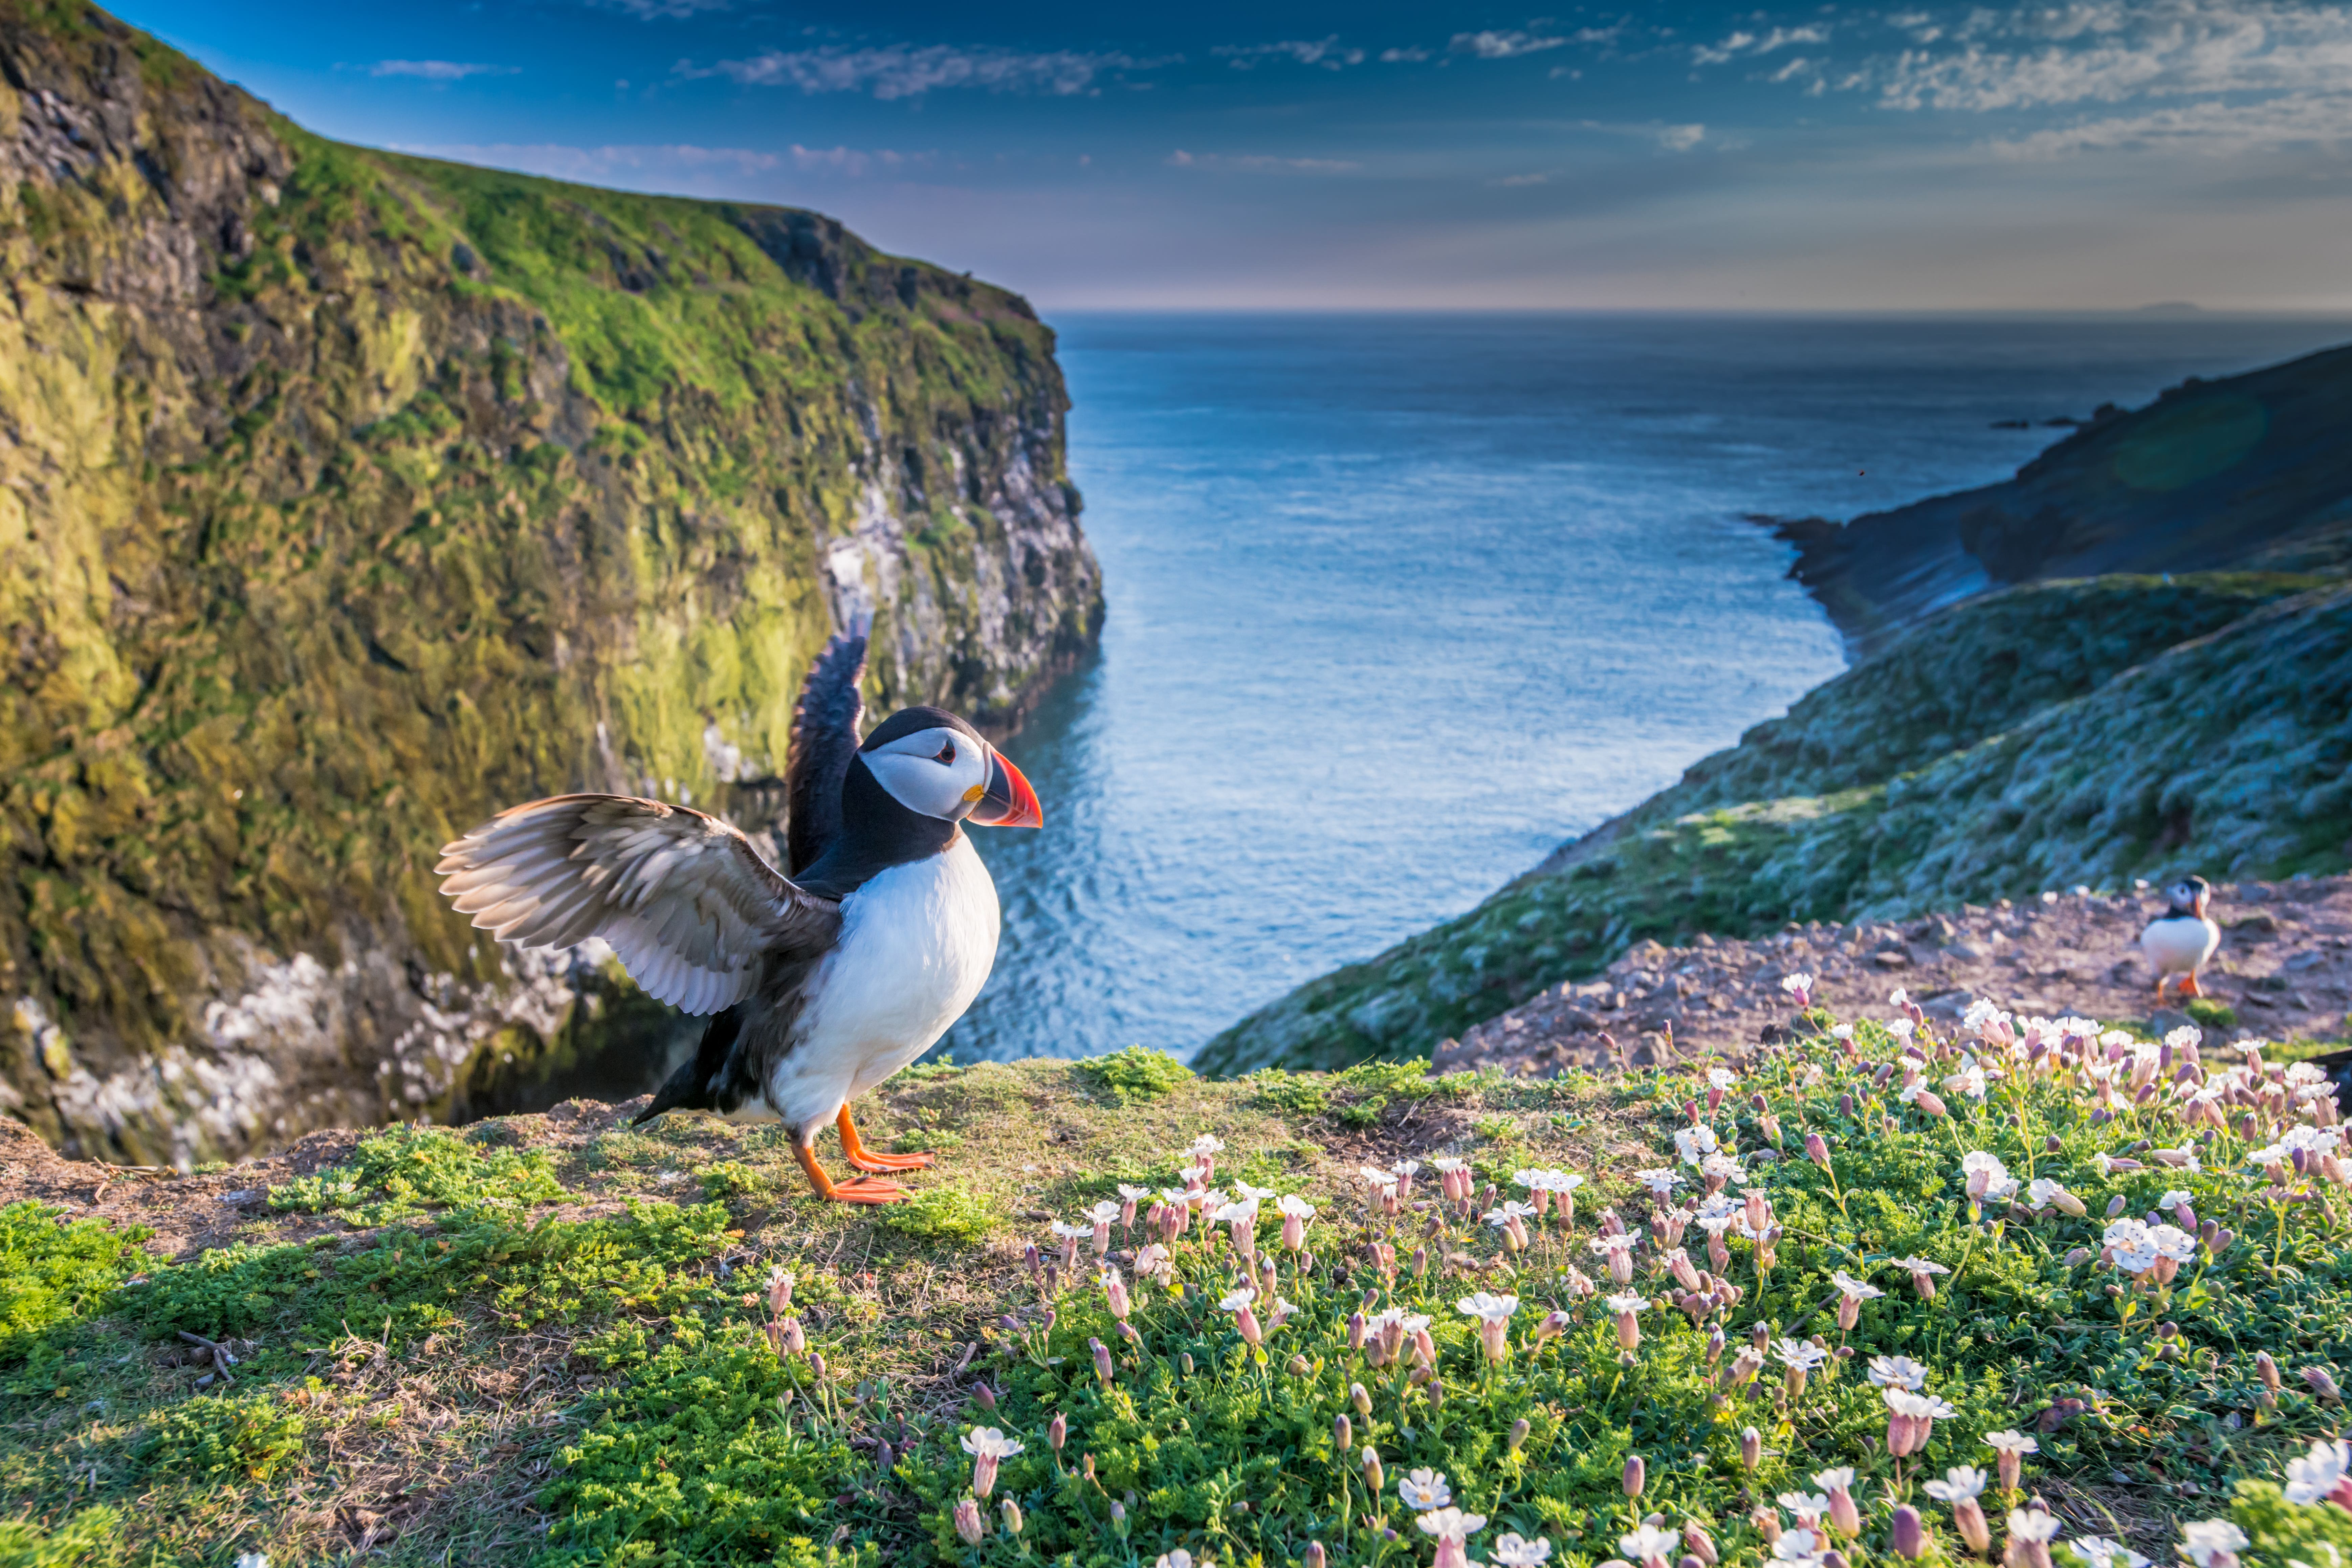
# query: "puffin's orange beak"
x,y
1008,801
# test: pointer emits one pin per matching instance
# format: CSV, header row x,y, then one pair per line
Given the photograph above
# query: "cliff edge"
x,y
345,497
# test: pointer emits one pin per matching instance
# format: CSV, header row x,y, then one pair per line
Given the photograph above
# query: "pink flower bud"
x,y
1293,1232
1343,1433
1518,1435
1701,1544
983,1474
969,1525
1636,1474
1845,1517
2322,1385
1115,1288
1102,1359
1372,1474
1817,1150
1058,1432
1246,1322
1968,1516
2267,1369
1910,1539
1315,1556
1011,1517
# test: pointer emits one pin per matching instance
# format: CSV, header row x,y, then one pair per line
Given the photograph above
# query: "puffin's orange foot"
x,y
854,1149
2189,986
859,1191
865,1189
867,1160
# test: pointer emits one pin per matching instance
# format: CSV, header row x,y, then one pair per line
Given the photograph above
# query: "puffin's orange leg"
x,y
854,1149
2189,984
857,1192
2160,979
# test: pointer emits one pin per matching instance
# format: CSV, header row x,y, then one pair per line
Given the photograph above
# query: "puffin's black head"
x,y
2190,896
931,766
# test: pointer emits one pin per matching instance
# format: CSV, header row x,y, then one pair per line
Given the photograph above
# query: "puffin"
x,y
819,980
2179,941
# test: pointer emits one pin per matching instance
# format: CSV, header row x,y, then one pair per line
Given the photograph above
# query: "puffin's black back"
x,y
825,737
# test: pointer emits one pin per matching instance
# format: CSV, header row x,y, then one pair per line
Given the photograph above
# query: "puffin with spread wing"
x,y
819,984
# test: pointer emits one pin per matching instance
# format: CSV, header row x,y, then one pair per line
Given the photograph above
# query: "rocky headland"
x,y
345,497
2248,472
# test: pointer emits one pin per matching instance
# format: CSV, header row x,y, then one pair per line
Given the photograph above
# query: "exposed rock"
x,y
345,497
2284,970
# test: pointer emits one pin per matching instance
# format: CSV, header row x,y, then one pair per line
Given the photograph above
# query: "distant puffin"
x,y
822,985
2180,940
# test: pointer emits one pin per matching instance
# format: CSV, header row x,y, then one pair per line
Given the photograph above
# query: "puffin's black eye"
x,y
946,757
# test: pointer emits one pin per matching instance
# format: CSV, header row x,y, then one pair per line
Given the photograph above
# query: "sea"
x,y
1396,604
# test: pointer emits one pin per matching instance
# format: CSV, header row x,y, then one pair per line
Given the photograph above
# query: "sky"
x,y
2096,154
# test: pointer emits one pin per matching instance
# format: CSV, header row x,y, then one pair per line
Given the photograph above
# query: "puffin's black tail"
x,y
690,1086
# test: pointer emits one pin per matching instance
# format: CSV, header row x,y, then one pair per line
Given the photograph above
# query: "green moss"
x,y
405,1170
53,1274
224,1437
945,1214
1134,1073
91,1537
2211,1014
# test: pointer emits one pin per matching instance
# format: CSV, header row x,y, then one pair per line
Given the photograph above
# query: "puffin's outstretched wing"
x,y
825,732
687,904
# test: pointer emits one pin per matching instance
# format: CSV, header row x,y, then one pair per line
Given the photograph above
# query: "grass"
x,y
569,1363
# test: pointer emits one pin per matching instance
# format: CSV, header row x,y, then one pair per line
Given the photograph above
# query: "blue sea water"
x,y
1398,604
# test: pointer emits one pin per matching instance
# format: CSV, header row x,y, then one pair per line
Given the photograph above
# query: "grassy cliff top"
x,y
558,1340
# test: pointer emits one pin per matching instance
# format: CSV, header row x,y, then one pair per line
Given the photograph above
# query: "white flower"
x,y
1995,1180
1492,1308
1961,1481
1837,1481
1627,1303
1693,1143
1661,1181
1244,1213
1425,1490
1443,1163
2171,1241
1207,1143
253,1559
1103,1213
1800,1353
1721,1078
1292,1205
1916,1266
1795,984
1854,1287
987,1442
1608,1242
2042,1192
1068,1231
1511,1552
2032,1524
1898,997
1723,1165
1898,1371
1451,1523
1404,1167
1799,1546
1508,1211
1805,1505
1180,1557
1237,1298
2170,1200
1648,1541
2011,1443
2310,1478
2202,1539
1969,1080
2098,1552
1253,1194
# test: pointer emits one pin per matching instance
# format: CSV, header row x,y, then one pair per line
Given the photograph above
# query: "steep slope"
x,y
2053,735
2249,471
345,497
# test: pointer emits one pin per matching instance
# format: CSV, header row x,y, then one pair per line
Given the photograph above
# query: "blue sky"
x,y
2096,154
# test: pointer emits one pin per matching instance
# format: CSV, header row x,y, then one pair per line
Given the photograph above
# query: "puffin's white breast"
x,y
915,945
2180,944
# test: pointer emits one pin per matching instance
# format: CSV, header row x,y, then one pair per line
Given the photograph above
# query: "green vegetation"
x,y
647,1383
53,1273
2050,735
1136,1073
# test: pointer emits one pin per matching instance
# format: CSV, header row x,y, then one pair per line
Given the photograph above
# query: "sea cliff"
x,y
345,497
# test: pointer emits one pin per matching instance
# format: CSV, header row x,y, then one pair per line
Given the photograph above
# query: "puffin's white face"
x,y
2186,896
948,774
939,772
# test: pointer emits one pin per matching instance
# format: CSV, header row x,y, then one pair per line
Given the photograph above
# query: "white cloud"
x,y
1743,43
2206,128
1680,138
1502,45
438,70
661,10
1260,164
901,72
2110,51
594,164
1325,52
1393,57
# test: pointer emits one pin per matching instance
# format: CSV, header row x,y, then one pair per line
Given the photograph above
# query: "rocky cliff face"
x,y
345,497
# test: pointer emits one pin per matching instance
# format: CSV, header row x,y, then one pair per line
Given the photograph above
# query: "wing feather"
x,y
827,725
687,905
